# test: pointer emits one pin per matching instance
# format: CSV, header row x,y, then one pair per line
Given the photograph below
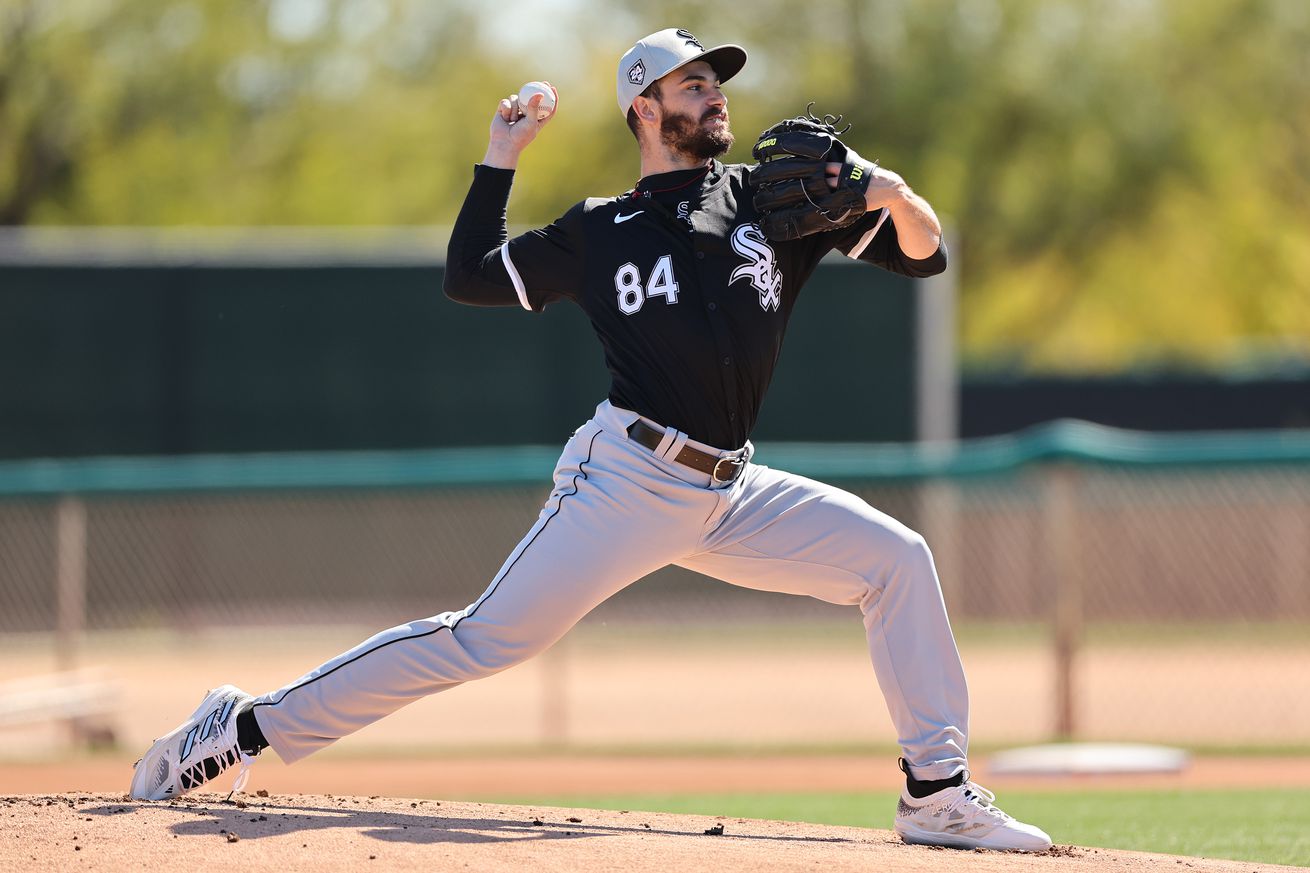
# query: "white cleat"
x,y
965,817
198,750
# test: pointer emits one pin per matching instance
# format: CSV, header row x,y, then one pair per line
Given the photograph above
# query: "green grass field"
x,y
1271,827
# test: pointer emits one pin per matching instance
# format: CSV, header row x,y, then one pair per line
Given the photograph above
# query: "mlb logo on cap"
x,y
659,54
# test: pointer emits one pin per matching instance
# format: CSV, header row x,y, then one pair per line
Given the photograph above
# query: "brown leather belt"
x,y
718,469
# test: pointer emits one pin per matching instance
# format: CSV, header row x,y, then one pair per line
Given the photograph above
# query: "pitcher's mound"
x,y
321,832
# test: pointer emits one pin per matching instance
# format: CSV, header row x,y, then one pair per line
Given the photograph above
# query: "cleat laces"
x,y
976,795
208,769
243,775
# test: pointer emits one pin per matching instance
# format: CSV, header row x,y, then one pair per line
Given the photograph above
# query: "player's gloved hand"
x,y
795,192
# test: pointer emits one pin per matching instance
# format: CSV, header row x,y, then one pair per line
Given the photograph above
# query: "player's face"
x,y
694,117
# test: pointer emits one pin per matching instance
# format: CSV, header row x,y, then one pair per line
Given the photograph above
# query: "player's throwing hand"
x,y
513,128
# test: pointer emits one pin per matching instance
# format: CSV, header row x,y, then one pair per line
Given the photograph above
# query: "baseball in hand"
x,y
547,106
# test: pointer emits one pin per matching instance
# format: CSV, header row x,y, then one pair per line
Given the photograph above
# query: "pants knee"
x,y
916,548
911,557
489,650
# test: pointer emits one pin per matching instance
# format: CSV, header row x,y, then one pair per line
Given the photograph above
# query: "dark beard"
x,y
685,136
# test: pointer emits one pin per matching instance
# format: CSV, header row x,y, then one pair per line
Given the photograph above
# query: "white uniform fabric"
x,y
617,513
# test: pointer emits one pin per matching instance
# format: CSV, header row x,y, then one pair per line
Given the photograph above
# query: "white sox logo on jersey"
x,y
761,267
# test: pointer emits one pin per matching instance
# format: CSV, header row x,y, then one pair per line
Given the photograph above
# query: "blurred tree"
x,y
36,136
1127,178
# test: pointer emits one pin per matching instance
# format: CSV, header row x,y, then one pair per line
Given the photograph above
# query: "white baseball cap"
x,y
659,54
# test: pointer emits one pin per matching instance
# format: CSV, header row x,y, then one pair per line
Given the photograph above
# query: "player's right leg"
x,y
795,535
614,516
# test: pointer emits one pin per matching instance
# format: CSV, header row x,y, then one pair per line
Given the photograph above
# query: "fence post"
x,y
937,422
70,581
1063,554
1291,554
936,366
70,593
554,716
939,521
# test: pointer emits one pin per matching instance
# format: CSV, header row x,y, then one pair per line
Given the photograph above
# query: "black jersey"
x,y
688,298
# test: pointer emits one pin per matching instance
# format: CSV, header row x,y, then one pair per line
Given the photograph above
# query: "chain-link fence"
x,y
1163,598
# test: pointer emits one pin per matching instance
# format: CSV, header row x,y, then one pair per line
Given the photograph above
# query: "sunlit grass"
x,y
1248,825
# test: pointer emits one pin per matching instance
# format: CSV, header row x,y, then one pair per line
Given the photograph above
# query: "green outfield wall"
x,y
174,358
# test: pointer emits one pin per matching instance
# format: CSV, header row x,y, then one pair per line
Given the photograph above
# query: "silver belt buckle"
x,y
735,466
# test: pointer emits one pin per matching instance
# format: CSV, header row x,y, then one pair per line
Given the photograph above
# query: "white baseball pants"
x,y
618,512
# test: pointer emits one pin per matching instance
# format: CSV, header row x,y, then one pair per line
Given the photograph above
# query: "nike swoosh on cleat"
x,y
619,219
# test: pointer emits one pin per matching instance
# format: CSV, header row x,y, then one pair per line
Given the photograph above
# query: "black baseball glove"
x,y
792,190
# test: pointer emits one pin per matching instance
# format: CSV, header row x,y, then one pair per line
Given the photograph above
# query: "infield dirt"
x,y
323,832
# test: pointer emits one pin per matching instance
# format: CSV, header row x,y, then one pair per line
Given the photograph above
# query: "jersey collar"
x,y
698,180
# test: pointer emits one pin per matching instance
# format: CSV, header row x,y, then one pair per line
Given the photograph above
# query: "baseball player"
x,y
689,280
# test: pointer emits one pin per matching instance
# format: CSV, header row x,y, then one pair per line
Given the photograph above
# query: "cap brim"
x,y
727,60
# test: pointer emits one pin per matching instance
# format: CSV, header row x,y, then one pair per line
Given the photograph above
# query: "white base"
x,y
1059,759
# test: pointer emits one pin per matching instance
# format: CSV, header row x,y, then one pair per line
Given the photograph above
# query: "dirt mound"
x,y
323,832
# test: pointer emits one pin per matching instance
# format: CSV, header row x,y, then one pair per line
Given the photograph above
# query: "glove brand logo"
x,y
761,265
637,73
857,172
691,40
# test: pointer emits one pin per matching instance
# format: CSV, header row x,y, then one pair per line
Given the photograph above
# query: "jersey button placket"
x,y
722,338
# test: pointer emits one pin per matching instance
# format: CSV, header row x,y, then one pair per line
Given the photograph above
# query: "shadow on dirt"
x,y
272,817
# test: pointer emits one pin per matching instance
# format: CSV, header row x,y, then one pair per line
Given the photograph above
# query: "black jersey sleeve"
x,y
486,268
546,265
474,273
873,239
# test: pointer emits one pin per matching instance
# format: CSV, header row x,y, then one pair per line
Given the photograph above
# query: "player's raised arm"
x,y
477,271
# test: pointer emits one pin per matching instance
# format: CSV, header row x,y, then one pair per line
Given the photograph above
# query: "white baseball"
x,y
547,105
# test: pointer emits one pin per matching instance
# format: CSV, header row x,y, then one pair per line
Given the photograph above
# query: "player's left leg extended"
x,y
782,532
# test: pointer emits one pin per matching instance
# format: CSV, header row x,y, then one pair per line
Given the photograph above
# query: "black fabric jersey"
x,y
688,298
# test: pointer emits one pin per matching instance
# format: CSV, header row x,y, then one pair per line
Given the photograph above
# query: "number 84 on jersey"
x,y
633,294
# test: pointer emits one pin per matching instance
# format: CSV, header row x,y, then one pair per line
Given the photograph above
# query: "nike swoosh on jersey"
x,y
619,219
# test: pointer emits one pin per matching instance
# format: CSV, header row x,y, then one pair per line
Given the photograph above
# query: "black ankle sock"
x,y
919,788
249,737
923,789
